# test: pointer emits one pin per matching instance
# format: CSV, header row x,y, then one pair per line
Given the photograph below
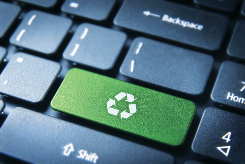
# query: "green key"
x,y
138,110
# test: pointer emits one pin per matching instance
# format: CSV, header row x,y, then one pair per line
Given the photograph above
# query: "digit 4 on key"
x,y
225,149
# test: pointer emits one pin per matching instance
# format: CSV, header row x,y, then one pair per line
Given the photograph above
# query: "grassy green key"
x,y
125,106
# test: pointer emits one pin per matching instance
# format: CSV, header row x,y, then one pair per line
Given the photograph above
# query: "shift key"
x,y
37,138
128,107
175,22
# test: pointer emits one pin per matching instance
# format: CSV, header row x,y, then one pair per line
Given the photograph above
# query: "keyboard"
x,y
122,81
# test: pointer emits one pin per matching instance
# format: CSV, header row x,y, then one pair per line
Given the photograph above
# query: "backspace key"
x,y
172,21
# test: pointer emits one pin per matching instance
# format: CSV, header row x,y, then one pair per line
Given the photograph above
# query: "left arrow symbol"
x,y
222,148
148,13
68,149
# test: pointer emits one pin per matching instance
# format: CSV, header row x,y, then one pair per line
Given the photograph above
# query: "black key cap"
x,y
236,47
97,10
41,32
229,88
38,138
172,21
28,77
2,54
223,5
41,3
8,14
168,66
95,46
221,135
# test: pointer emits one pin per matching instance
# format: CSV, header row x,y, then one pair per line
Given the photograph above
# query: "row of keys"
x,y
219,136
27,37
187,29
79,7
190,78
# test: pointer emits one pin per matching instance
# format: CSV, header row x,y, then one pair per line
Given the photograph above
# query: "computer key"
x,y
28,77
229,88
167,66
221,136
8,13
41,3
174,22
39,139
137,110
95,46
236,47
223,5
41,32
96,10
2,53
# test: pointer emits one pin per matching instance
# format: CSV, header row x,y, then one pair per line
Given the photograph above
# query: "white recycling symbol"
x,y
124,114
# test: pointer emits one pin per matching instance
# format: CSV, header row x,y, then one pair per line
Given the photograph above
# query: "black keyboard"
x,y
122,81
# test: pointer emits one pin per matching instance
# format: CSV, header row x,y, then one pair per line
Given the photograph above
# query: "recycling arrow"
x,y
119,97
113,111
130,98
132,108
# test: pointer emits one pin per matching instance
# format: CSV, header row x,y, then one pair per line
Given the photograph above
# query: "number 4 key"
x,y
215,133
